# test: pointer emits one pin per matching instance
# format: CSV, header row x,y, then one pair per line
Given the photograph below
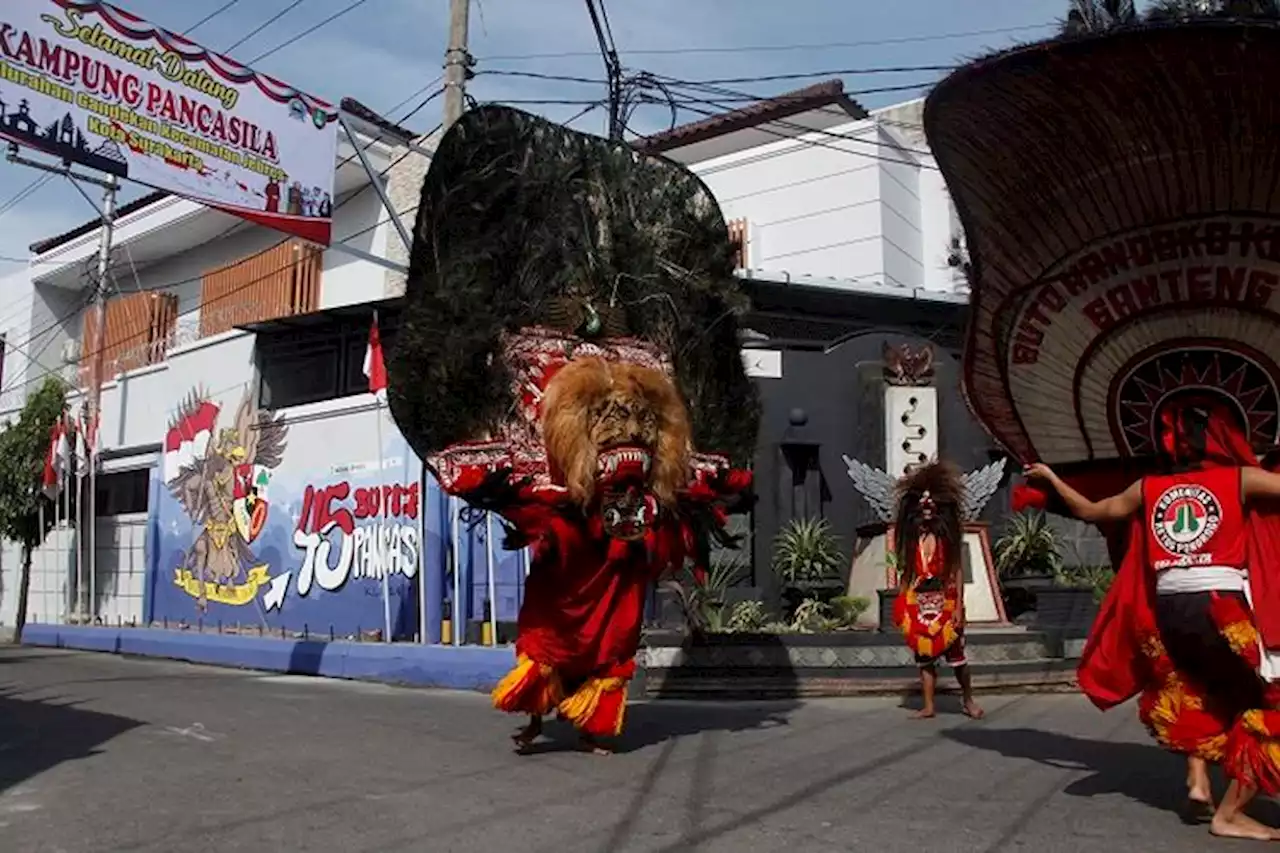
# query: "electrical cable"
x,y
209,17
686,51
25,193
45,372
309,30
268,22
170,285
689,105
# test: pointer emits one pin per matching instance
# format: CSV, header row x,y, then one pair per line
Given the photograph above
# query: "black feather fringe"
x,y
516,214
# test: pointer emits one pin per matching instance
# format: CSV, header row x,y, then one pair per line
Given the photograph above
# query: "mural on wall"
x,y
220,477
312,557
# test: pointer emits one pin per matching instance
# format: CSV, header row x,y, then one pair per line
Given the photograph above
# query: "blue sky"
x,y
387,49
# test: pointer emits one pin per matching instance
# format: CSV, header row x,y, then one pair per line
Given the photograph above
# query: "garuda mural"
x,y
220,477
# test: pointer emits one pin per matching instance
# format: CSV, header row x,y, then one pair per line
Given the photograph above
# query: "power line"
x,y
309,30
268,22
838,72
683,51
45,372
720,104
209,17
173,284
25,193
801,131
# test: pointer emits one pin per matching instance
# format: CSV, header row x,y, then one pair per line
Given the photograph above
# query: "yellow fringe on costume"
x,y
529,688
1241,636
595,708
1176,717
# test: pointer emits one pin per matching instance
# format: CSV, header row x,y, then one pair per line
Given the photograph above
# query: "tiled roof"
x,y
350,105
784,106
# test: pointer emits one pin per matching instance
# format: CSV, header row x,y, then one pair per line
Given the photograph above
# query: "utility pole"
x,y
457,62
110,187
105,237
612,67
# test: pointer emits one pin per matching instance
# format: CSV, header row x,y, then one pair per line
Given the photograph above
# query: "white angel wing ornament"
x,y
875,486
979,486
879,489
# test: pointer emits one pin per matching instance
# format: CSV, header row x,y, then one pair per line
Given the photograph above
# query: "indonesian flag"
x,y
55,460
188,438
374,367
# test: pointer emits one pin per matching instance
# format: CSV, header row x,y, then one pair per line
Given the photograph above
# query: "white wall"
x,y
348,280
858,201
841,203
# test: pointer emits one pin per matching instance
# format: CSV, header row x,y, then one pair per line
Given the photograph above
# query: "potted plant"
x,y
807,560
702,595
889,596
1028,558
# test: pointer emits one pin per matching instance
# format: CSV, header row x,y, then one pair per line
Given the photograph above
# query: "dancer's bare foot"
x,y
1242,826
589,744
973,710
924,714
524,738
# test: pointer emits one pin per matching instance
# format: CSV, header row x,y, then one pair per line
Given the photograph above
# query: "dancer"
x,y
930,605
1191,620
569,343
618,513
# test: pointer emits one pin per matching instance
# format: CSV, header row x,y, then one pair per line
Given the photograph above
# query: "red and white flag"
x,y
188,438
374,367
55,460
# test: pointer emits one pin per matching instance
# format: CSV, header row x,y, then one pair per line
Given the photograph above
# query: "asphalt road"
x,y
104,754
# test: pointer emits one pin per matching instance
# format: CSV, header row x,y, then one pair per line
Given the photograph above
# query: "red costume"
x,y
926,610
581,618
569,341
1213,705
930,603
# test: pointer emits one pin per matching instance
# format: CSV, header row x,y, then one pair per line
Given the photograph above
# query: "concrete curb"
x,y
465,668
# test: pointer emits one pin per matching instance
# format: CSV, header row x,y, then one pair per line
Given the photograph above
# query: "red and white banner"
x,y
188,439
95,85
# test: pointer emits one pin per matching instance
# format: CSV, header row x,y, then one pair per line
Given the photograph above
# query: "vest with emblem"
x,y
1194,519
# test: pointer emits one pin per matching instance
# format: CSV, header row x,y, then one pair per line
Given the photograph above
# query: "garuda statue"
x,y
570,341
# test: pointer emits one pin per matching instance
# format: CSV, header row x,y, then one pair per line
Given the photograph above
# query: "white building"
x,y
188,284
819,188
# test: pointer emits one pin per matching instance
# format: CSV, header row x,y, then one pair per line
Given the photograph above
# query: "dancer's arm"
x,y
1259,483
1114,508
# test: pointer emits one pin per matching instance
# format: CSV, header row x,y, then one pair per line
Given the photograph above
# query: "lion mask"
x,y
618,439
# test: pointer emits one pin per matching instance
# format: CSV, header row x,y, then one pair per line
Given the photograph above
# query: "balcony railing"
x,y
278,282
137,331
143,328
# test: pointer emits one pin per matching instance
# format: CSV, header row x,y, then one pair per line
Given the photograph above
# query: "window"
x,y
123,492
322,360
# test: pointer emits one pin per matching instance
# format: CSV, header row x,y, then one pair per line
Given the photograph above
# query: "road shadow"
x,y
652,723
39,734
1142,772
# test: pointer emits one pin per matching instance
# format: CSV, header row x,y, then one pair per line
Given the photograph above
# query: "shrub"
x,y
1028,547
